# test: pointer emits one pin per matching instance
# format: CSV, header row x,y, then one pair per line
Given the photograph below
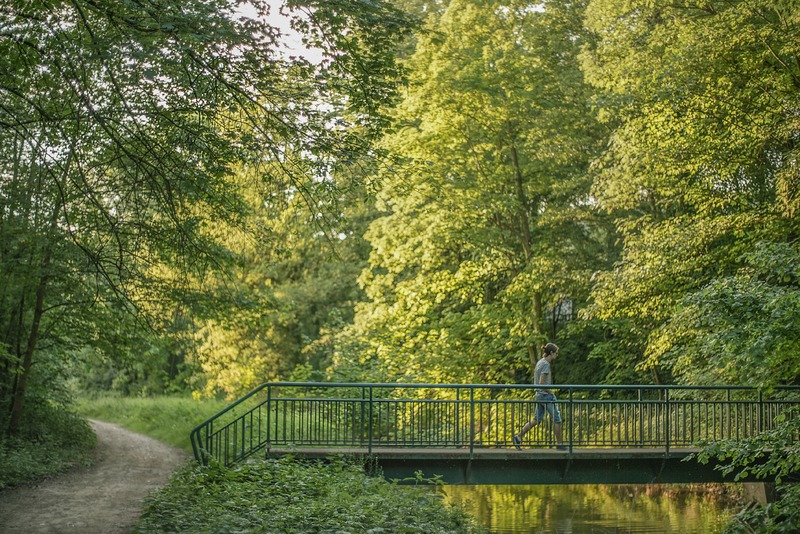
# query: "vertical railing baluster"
x,y
727,423
278,417
640,411
227,439
250,434
683,422
613,418
457,414
471,422
209,440
263,427
369,449
667,424
571,419
286,407
240,440
363,414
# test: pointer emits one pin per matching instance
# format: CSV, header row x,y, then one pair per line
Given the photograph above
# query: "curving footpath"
x,y
106,498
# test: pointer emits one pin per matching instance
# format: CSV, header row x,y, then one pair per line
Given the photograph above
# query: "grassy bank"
x,y
167,419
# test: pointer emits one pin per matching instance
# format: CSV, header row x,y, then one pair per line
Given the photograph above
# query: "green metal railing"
x,y
369,416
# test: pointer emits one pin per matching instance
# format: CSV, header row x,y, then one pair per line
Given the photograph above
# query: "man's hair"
x,y
550,348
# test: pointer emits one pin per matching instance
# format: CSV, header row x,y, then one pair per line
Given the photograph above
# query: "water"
x,y
596,509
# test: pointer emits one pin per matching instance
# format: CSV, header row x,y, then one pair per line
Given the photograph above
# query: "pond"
x,y
577,509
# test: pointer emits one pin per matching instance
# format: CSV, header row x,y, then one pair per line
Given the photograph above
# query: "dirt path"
x,y
106,498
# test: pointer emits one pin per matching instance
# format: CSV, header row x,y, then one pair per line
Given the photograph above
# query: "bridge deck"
x,y
484,453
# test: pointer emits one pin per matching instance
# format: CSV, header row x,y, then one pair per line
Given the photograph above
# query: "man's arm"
x,y
544,380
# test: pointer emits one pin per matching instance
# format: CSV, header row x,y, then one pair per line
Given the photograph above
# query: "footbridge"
x,y
462,434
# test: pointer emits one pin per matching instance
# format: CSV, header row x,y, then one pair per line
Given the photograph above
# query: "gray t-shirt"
x,y
542,368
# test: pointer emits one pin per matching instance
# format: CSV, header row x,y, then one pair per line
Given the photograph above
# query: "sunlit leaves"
x,y
701,100
738,329
488,228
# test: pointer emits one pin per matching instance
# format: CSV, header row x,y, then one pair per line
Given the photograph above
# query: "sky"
x,y
292,41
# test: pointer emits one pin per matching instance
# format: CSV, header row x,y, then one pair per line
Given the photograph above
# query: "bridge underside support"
x,y
543,466
551,471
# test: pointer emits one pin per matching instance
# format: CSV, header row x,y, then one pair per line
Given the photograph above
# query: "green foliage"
x,y
121,129
54,439
740,329
167,419
773,454
126,358
697,170
294,286
487,242
782,516
282,496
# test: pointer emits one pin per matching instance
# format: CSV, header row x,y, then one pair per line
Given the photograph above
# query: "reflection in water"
x,y
588,509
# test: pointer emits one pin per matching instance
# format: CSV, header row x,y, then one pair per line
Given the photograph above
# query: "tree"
x,y
488,238
293,286
701,168
702,175
738,329
123,121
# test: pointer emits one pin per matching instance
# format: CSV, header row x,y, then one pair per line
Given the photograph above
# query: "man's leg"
x,y
555,416
516,439
525,429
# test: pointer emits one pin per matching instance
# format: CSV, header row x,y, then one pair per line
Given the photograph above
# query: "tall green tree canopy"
x,y
488,239
701,172
121,123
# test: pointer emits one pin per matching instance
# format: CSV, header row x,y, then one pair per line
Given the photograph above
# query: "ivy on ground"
x,y
283,496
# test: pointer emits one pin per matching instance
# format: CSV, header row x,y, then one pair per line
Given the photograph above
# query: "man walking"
x,y
545,398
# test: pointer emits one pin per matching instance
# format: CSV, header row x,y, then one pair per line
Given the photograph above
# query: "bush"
x,y
51,439
286,496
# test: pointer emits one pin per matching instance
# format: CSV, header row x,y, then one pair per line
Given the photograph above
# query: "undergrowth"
x,y
50,441
293,497
269,496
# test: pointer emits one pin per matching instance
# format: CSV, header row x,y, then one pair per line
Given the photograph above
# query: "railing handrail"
x,y
418,385
194,435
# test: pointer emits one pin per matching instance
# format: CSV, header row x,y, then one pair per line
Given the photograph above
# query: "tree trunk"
x,y
527,248
19,392
38,311
538,331
522,198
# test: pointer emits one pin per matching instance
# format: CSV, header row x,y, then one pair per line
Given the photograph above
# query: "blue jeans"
x,y
547,401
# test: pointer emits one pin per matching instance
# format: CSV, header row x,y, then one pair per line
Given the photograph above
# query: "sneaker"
x,y
517,442
562,447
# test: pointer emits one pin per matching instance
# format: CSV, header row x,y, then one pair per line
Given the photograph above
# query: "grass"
x,y
167,419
